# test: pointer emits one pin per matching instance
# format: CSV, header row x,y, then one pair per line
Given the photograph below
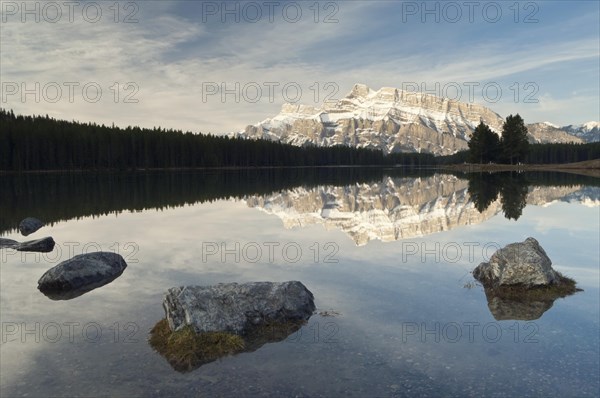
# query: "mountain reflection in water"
x,y
366,203
399,208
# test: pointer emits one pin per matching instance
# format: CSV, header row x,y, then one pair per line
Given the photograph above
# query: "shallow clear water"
x,y
391,255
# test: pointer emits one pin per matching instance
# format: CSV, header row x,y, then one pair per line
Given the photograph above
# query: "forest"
x,y
485,146
39,143
44,143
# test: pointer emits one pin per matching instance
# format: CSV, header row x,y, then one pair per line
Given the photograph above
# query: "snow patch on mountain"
x,y
394,120
388,119
588,132
545,132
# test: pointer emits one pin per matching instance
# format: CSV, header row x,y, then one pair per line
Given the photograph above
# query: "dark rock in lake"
x,y
44,245
237,308
80,274
58,295
524,264
30,225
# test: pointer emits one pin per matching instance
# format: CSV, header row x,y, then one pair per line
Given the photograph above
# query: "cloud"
x,y
171,56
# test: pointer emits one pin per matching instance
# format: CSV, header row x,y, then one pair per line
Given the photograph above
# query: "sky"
x,y
216,67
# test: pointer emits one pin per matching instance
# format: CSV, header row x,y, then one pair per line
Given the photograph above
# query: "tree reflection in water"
x,y
512,187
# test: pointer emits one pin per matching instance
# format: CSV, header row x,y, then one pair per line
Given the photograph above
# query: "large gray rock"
x,y
236,308
30,225
81,274
524,263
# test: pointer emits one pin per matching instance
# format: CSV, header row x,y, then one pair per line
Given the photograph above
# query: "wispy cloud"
x,y
171,56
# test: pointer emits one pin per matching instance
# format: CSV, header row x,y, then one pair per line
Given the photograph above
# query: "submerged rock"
x,y
80,274
186,350
30,225
204,323
236,308
44,245
524,263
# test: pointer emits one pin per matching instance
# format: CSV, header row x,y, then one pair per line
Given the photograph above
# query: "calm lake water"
x,y
388,252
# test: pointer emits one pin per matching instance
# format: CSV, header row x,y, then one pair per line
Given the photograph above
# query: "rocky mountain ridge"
x,y
393,120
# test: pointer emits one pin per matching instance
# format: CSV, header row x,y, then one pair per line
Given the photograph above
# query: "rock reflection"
x,y
504,304
186,350
43,245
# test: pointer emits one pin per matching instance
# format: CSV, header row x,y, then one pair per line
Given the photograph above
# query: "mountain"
x,y
542,133
389,119
589,132
399,208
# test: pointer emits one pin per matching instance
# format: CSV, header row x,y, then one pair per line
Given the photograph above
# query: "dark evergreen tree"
x,y
563,153
43,143
484,145
515,146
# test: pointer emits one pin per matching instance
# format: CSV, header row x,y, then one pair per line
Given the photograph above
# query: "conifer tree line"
x,y
538,154
44,143
562,153
486,146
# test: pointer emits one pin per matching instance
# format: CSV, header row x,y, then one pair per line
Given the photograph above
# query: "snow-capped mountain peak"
x,y
389,119
590,125
588,132
393,120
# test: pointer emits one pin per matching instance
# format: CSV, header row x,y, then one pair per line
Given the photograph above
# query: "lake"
x,y
387,254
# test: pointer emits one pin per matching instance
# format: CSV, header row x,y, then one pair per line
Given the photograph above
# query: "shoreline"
x,y
589,168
